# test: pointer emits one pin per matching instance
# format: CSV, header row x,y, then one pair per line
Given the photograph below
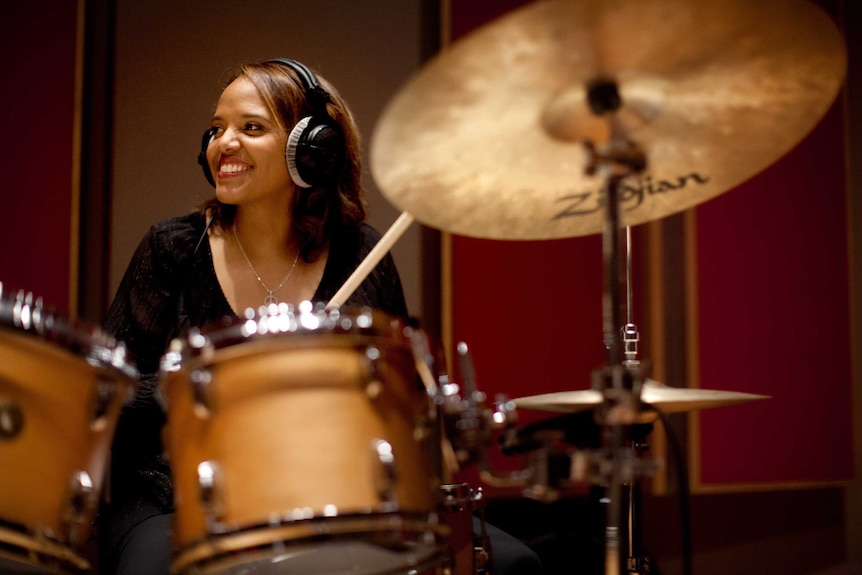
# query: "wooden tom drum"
x,y
62,384
302,441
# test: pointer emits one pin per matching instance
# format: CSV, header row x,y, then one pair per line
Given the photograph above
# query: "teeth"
x,y
233,168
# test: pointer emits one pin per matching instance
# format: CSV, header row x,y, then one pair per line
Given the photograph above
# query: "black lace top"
x,y
169,286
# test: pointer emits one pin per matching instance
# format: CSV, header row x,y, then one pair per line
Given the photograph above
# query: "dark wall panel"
x,y
38,51
774,319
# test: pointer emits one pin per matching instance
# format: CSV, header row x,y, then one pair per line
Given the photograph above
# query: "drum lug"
x,y
209,478
82,492
82,498
372,356
105,392
11,419
200,380
386,475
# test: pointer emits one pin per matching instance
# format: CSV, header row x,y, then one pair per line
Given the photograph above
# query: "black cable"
x,y
684,494
203,235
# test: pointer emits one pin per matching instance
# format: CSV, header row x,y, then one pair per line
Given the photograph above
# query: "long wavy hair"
x,y
319,213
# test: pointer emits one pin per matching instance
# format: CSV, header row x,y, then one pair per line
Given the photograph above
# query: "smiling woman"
x,y
267,236
278,140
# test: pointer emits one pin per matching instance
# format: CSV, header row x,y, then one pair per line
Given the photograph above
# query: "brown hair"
x,y
318,212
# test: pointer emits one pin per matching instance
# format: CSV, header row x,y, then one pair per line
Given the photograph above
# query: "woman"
x,y
267,236
287,224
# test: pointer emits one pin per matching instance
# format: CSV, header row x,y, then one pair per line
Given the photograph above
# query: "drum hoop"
x,y
304,327
359,527
18,542
29,318
275,344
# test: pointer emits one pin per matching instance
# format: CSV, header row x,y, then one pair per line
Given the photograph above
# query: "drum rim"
x,y
27,316
23,544
285,321
369,527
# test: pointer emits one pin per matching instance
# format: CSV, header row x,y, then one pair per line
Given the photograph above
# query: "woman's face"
x,y
246,154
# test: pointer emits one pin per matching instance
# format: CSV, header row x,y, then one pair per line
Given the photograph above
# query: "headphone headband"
x,y
314,90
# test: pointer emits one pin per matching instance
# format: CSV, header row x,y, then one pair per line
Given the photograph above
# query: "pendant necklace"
x,y
270,293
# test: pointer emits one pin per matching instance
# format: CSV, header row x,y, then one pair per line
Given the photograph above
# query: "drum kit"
x,y
324,439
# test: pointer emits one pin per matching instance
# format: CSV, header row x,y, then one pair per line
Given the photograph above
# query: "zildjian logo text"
x,y
630,196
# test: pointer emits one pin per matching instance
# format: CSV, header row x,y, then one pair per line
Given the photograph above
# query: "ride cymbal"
x,y
663,397
485,140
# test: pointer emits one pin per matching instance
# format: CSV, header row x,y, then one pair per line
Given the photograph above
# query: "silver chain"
x,y
270,293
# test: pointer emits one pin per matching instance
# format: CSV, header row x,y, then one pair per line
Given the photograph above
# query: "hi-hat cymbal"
x,y
485,140
663,397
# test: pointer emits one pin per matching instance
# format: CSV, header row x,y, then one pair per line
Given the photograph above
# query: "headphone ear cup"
x,y
314,152
202,155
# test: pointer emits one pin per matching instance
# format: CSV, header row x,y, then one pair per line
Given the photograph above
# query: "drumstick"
x,y
372,259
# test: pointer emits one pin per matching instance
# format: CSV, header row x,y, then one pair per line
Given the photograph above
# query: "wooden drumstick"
x,y
372,259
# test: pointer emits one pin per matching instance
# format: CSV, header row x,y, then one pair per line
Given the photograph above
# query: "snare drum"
x,y
62,384
302,441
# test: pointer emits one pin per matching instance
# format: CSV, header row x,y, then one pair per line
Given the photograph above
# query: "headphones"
x,y
315,146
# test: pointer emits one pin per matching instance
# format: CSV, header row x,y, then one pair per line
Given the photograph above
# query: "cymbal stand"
x,y
620,382
630,336
638,562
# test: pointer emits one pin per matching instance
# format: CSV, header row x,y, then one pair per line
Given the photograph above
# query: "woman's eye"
x,y
252,127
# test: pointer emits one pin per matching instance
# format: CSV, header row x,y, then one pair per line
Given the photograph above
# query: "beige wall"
x,y
171,58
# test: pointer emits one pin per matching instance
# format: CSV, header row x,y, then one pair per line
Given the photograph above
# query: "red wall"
x,y
38,103
774,319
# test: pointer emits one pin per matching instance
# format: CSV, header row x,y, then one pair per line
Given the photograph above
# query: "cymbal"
x,y
487,139
663,397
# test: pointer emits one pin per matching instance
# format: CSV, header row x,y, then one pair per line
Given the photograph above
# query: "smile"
x,y
233,168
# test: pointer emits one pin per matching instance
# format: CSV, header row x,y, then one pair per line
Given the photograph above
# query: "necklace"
x,y
270,293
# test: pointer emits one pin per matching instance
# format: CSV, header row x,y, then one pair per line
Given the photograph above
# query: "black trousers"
x,y
510,555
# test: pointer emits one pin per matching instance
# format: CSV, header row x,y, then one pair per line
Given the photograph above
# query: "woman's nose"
x,y
228,140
